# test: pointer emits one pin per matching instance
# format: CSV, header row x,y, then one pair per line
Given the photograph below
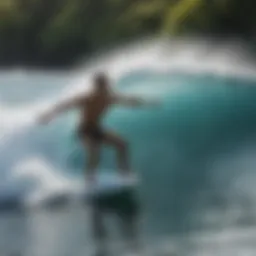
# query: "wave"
x,y
207,93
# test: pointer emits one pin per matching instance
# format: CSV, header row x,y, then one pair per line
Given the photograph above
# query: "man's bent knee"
x,y
123,146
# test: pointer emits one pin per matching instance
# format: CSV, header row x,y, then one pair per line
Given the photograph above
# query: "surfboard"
x,y
109,182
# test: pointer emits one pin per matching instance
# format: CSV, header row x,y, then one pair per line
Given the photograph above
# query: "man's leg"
x,y
121,146
97,222
131,232
93,156
99,232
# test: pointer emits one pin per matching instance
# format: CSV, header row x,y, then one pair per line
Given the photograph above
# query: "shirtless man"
x,y
92,108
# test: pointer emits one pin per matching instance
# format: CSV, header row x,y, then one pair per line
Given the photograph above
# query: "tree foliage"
x,y
57,32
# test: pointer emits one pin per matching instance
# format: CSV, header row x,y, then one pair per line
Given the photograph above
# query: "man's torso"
x,y
93,109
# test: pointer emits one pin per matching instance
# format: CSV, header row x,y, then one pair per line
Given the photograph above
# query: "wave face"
x,y
195,153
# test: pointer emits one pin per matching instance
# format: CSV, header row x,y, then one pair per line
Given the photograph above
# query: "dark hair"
x,y
100,78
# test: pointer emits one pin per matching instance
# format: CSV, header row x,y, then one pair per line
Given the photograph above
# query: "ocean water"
x,y
195,153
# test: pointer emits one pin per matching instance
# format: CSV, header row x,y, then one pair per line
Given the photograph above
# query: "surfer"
x,y
92,108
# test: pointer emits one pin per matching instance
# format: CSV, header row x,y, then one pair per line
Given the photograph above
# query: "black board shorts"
x,y
91,131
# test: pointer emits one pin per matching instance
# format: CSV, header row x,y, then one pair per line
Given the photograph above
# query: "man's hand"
x,y
45,118
154,103
134,101
147,103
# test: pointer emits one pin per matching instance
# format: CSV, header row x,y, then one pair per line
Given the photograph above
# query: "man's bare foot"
x,y
130,176
126,173
91,178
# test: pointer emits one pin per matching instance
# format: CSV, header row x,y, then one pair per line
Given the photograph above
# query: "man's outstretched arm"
x,y
133,101
59,108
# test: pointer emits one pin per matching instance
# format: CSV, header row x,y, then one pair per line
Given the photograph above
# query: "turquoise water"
x,y
195,153
202,120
